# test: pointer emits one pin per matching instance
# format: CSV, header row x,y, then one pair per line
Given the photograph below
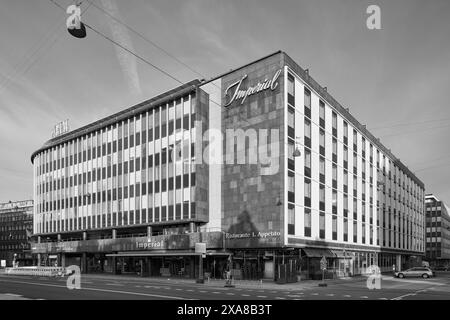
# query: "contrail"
x,y
120,34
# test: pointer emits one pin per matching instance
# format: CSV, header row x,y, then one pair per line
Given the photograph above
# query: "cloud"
x,y
126,60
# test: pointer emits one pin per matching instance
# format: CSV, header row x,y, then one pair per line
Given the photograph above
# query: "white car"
x,y
415,272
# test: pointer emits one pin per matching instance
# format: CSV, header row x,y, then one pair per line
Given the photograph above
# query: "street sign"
x,y
323,263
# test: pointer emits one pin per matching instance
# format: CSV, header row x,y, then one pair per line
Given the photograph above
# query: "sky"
x,y
394,80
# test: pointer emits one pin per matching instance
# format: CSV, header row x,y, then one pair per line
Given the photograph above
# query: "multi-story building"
x,y
260,163
16,227
437,231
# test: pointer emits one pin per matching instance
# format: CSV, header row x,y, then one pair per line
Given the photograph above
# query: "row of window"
x,y
410,185
121,218
162,121
322,160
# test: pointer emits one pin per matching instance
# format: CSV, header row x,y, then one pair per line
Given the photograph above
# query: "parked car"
x,y
415,272
441,269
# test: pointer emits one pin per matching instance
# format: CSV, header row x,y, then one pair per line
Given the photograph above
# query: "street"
x,y
106,287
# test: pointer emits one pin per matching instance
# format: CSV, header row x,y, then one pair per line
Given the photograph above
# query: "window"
x,y
307,133
291,90
307,163
363,147
345,205
334,174
307,103
291,149
345,157
307,222
307,192
322,225
322,142
355,232
291,123
345,133
355,140
291,220
334,150
345,181
322,114
334,227
334,202
334,123
345,229
291,185
322,170
322,197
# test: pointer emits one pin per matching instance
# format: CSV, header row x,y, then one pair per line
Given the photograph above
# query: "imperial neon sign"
x,y
237,93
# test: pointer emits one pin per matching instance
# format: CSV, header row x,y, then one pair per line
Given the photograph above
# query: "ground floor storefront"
x,y
177,256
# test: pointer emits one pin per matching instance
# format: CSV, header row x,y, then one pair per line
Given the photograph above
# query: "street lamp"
x,y
297,152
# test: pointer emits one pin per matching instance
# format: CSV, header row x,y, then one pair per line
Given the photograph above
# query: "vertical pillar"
x,y
149,231
149,264
59,237
63,260
83,261
84,235
192,227
39,255
114,233
114,265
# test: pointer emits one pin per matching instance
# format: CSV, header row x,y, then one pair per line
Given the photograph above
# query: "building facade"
x,y
437,231
16,227
259,163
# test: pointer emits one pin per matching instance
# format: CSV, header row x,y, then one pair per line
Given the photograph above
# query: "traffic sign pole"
x,y
323,266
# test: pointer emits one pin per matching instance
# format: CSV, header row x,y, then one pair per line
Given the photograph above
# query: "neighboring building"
x,y
16,227
109,196
437,231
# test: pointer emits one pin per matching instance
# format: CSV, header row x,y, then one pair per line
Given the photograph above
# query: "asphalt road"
x,y
115,287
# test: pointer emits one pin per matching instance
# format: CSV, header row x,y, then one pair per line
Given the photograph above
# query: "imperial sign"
x,y
236,92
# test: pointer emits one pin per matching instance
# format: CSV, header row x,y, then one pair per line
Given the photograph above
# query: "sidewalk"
x,y
244,284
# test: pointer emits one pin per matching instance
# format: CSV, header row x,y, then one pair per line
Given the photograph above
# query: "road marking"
x,y
347,296
114,284
262,296
40,299
216,292
13,295
330,294
314,294
382,298
178,289
190,290
137,286
103,290
281,298
404,296
203,291
245,295
230,294
364,297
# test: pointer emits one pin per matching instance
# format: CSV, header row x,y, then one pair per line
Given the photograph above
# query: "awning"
x,y
318,253
340,254
163,254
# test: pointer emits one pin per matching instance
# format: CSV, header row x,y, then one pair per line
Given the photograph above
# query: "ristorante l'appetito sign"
x,y
236,92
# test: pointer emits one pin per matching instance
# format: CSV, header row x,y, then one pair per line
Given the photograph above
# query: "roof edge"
x,y
123,114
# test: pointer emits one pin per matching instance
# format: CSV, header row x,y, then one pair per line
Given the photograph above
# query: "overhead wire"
x,y
22,67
